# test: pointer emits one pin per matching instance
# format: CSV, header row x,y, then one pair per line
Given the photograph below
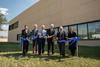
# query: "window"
x,y
94,30
65,28
16,24
56,30
18,37
13,26
74,27
82,31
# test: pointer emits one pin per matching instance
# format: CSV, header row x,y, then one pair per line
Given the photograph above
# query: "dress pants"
x,y
50,45
72,48
25,47
34,43
41,45
62,48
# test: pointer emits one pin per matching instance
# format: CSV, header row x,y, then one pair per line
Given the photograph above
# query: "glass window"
x,y
10,27
82,31
16,24
18,37
13,26
94,30
74,27
56,30
66,29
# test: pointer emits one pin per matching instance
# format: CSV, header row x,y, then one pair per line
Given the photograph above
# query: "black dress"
x,y
72,47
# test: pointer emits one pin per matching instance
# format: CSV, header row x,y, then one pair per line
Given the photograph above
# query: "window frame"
x,y
79,24
13,26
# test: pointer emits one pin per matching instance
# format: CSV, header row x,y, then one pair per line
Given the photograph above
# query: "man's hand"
x,y
57,38
49,36
66,42
41,36
70,38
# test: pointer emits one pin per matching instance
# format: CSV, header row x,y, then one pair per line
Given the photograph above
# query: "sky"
x,y
12,8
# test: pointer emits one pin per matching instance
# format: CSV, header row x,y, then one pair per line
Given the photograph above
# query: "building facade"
x,y
82,15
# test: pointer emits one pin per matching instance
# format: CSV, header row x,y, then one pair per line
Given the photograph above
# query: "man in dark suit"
x,y
50,38
34,42
25,34
61,36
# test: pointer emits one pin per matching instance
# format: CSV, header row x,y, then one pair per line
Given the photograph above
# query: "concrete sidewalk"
x,y
3,39
89,42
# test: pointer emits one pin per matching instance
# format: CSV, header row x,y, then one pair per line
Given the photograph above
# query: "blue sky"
x,y
15,7
12,8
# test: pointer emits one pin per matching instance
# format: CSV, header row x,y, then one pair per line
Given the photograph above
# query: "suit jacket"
x,y
34,32
50,33
63,35
25,34
42,33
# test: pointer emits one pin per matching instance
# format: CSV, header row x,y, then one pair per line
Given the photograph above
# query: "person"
x,y
61,36
41,39
50,38
34,42
25,34
72,47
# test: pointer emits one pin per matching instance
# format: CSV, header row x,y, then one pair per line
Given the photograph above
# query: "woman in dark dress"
x,y
72,47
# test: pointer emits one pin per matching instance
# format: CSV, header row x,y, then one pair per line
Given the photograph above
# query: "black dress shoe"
x,y
53,53
63,55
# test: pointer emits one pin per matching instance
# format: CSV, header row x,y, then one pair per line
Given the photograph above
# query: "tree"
x,y
2,20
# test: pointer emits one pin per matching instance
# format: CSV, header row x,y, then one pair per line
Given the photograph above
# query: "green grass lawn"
x,y
10,57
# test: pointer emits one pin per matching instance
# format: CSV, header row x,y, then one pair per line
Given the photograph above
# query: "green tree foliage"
x,y
2,20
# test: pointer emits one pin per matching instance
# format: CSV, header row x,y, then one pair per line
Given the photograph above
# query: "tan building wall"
x,y
58,12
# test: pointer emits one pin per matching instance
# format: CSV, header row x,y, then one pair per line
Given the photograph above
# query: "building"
x,y
82,15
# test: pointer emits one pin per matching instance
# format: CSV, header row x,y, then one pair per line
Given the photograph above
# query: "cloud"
x,y
4,11
5,27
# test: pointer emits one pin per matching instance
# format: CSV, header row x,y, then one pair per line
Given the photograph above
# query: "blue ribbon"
x,y
62,41
35,37
73,40
23,39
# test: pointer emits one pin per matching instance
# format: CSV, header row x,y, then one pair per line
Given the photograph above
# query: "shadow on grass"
x,y
18,56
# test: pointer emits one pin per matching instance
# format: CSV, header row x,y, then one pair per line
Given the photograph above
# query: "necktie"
x,y
42,33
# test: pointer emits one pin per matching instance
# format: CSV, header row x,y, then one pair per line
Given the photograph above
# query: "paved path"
x,y
3,40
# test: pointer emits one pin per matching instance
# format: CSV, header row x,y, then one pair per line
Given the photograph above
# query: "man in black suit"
x,y
25,34
34,42
50,38
61,36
